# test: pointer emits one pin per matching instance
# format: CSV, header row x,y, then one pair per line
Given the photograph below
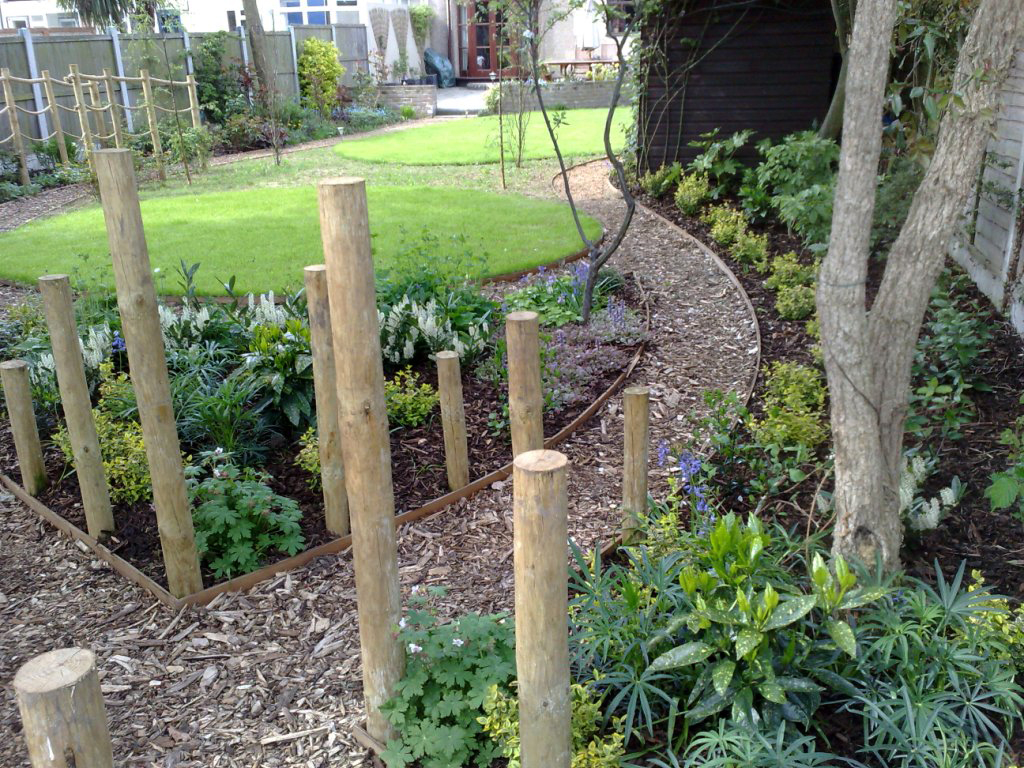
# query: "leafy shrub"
x,y
895,193
191,145
409,402
364,118
793,283
800,160
407,112
795,302
308,458
281,361
450,669
717,159
794,403
693,190
1001,622
808,213
421,17
217,86
558,299
48,152
751,249
124,452
222,414
238,519
319,73
726,224
589,748
730,747
1006,488
660,182
244,131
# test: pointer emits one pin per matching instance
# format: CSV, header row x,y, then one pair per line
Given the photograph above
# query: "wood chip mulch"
x,y
271,677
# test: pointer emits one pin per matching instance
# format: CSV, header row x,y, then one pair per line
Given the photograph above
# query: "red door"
x,y
478,39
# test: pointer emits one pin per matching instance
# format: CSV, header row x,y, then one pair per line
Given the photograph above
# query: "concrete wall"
x,y
422,98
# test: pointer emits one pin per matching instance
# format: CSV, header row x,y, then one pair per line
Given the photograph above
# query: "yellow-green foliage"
x,y
658,183
319,75
751,249
693,190
589,749
409,402
794,405
121,443
795,302
1001,621
308,457
793,283
726,224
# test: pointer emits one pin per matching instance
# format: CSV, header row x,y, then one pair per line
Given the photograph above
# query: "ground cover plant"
x,y
474,141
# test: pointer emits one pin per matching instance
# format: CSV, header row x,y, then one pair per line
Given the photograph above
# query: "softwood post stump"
x,y
636,412
18,393
345,229
525,395
453,419
62,710
140,320
58,129
325,388
74,399
540,535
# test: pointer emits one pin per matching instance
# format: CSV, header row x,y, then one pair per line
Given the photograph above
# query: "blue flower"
x,y
662,452
118,345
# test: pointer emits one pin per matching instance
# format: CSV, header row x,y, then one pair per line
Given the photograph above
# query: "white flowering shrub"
x,y
408,327
921,513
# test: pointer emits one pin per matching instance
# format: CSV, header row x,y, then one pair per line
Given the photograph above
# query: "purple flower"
x,y
662,452
118,344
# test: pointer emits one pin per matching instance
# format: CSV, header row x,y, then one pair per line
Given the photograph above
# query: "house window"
x,y
319,17
232,21
21,23
347,2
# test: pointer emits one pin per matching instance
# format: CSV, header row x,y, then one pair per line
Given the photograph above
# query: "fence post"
x,y
453,419
18,393
62,710
58,129
97,113
115,123
295,62
325,387
525,396
154,132
244,48
37,91
345,229
540,509
115,42
83,114
74,398
193,100
136,300
186,43
16,137
636,413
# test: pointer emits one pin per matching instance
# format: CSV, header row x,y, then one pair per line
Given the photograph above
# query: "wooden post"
x,y
193,101
115,121
16,137
325,387
136,300
96,104
83,114
58,128
154,132
62,710
636,411
540,536
525,397
345,229
18,393
74,398
453,419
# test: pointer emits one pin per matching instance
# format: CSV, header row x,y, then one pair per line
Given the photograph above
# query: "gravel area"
x,y
271,677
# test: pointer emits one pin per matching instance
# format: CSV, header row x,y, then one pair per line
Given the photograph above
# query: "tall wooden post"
x,y
74,399
525,395
345,228
18,393
62,710
540,535
115,121
154,132
12,116
325,386
58,128
136,300
453,419
636,412
83,114
193,101
96,107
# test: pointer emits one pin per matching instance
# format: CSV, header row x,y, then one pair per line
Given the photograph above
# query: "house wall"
x,y
36,13
763,67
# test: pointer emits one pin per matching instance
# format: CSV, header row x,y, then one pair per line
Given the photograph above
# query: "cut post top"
x,y
54,670
541,461
315,269
637,390
121,151
447,355
343,181
54,279
522,316
13,365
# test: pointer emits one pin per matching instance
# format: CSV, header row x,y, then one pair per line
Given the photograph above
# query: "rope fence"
x,y
103,121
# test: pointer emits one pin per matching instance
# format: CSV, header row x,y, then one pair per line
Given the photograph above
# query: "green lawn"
x,y
475,140
265,236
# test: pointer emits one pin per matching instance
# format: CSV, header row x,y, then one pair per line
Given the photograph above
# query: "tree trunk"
x,y
832,125
868,356
258,47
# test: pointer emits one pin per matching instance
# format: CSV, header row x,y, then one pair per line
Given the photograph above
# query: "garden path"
x,y
271,677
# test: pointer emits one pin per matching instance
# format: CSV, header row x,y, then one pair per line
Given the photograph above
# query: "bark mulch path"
x,y
271,677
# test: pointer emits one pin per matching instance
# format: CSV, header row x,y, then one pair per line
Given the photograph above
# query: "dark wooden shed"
x,y
767,65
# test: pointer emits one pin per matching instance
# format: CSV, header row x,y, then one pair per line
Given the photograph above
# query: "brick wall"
x,y
422,98
577,95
